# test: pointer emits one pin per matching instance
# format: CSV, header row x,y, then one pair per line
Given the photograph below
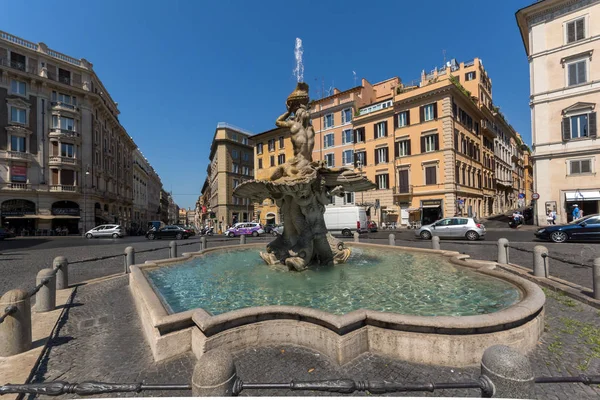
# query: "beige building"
x,y
65,159
231,163
560,38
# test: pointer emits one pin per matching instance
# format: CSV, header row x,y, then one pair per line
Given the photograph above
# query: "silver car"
x,y
456,227
108,230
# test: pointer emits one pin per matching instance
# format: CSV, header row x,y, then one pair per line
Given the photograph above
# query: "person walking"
x,y
575,212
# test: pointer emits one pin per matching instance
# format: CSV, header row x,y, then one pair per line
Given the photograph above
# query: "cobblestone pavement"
x,y
100,338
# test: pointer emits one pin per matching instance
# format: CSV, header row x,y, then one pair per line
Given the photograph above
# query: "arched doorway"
x,y
19,216
270,218
66,217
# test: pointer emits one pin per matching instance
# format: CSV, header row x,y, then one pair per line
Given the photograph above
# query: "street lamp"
x,y
87,172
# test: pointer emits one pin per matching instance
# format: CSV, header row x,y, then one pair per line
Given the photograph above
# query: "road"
x,y
22,258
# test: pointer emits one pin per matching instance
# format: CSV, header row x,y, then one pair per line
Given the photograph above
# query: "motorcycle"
x,y
515,222
207,231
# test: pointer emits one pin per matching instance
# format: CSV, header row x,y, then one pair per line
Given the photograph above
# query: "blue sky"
x,y
176,68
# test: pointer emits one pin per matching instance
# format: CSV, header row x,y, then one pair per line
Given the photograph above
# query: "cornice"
x,y
18,129
560,9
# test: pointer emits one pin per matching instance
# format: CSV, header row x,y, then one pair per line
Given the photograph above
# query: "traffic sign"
x,y
461,202
521,195
535,196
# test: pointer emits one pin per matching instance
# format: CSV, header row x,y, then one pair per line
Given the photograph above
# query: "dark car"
x,y
189,230
5,234
582,229
168,232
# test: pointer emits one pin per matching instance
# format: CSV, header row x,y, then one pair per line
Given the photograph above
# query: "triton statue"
x,y
301,188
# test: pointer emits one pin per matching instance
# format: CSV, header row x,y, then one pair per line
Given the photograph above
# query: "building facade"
x,y
560,37
65,158
231,163
141,178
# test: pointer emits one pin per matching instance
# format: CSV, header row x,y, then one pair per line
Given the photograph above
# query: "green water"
x,y
374,279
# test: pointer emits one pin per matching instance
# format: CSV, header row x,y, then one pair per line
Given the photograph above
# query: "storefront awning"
x,y
582,195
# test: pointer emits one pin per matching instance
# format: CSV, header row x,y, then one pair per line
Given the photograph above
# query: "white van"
x,y
346,219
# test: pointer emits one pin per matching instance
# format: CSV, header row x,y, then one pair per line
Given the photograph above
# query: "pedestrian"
x,y
581,213
575,213
549,218
553,213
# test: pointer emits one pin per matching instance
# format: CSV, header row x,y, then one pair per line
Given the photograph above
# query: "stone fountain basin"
x,y
439,340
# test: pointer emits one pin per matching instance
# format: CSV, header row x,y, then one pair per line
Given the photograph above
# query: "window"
x,y
246,156
272,161
469,76
428,112
347,136
281,159
403,186
330,160
67,150
360,159
403,148
349,198
431,175
346,116
429,143
328,140
580,166
245,140
281,142
245,170
359,135
236,183
63,123
348,157
17,87
577,126
18,115
381,155
17,143
577,72
382,181
402,119
575,30
64,98
235,154
328,121
380,129
259,148
236,168
271,144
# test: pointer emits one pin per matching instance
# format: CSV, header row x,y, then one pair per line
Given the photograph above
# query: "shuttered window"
x,y
577,72
431,175
575,30
580,167
403,186
382,181
579,126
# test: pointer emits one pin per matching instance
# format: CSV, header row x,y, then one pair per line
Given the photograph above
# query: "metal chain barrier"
x,y
560,259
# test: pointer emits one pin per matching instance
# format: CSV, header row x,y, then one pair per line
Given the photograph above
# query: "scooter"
x,y
515,222
209,232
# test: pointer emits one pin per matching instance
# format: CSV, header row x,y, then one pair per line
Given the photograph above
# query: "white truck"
x,y
345,219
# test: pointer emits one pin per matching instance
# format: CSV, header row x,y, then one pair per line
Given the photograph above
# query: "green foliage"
x,y
461,87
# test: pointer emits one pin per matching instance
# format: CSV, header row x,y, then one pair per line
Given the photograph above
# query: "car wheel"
x,y
558,237
255,233
115,235
151,236
346,232
89,235
425,235
231,234
179,236
472,235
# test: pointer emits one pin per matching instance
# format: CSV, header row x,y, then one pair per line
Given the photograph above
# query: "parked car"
x,y
456,227
6,234
245,228
277,230
189,230
584,229
346,219
168,232
107,230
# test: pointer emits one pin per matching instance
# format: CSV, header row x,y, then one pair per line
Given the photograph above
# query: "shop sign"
x,y
431,203
65,211
18,173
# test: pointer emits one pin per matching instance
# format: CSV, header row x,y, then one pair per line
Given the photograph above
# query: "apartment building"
x,y
271,149
231,163
560,38
66,159
154,190
142,172
164,206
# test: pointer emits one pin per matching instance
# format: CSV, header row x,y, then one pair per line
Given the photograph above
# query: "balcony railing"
x,y
403,190
62,104
64,188
64,133
16,186
63,160
15,155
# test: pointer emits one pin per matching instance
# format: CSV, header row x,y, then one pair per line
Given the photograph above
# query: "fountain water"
x,y
301,188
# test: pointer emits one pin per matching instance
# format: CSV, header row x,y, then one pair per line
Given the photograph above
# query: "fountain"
x,y
426,306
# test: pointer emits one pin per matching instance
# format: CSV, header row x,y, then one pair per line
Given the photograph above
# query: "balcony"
x,y
19,66
64,188
62,134
58,160
16,156
403,190
61,105
17,186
